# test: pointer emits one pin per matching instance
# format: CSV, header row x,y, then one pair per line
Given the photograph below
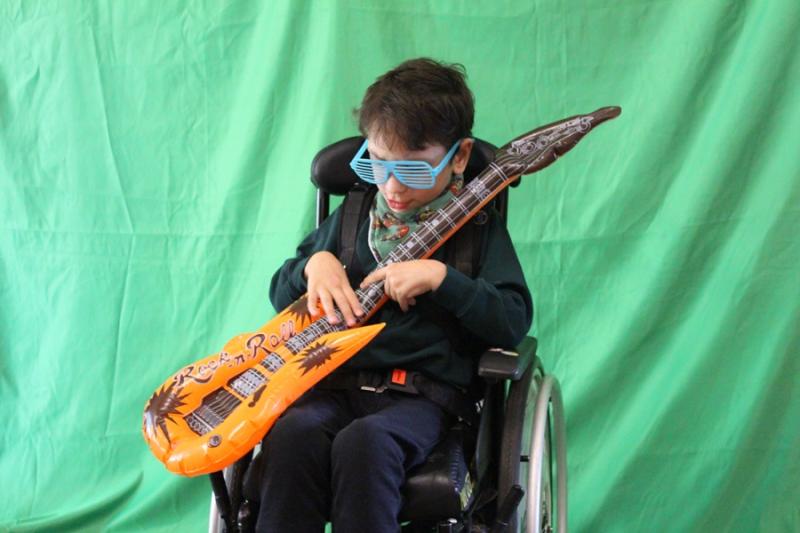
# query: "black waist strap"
x,y
448,397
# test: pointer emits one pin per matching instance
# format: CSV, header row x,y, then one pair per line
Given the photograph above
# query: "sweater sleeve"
x,y
496,306
289,283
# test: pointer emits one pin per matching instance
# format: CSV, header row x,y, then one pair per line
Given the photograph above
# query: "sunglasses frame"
x,y
390,167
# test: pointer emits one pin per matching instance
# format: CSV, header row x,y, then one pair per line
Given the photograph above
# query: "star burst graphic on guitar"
x,y
162,405
315,356
299,309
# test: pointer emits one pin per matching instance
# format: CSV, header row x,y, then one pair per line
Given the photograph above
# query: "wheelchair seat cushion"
x,y
440,487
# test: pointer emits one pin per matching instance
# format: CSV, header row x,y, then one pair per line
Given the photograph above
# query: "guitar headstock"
x,y
538,148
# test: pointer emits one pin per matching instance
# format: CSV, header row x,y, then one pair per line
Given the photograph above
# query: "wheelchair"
x,y
504,471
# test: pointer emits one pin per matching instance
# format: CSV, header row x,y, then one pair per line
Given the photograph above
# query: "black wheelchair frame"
x,y
493,475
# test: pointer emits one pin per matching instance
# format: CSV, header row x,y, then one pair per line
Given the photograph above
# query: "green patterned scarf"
x,y
388,229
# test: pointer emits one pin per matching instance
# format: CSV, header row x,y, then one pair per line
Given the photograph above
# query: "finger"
x,y
403,302
312,303
412,301
344,306
388,289
327,305
375,275
355,305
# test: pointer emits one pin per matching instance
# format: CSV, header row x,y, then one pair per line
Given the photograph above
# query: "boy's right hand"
x,y
328,285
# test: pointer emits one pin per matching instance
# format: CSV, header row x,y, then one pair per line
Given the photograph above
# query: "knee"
x,y
294,432
295,448
365,442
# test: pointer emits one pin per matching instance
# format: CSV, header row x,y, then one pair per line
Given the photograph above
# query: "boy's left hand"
x,y
403,281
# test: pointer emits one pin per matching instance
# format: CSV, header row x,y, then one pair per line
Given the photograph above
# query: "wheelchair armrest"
x,y
496,364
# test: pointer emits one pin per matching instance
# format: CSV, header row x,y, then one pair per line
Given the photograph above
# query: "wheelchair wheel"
x,y
515,445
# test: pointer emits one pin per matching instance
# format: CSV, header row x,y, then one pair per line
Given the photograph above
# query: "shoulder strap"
x,y
464,249
355,208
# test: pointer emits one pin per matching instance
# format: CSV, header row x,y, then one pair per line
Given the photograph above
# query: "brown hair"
x,y
418,103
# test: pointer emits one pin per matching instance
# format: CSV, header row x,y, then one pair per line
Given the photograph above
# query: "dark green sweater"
x,y
446,330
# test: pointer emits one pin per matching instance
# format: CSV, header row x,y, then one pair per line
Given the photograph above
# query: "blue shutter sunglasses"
x,y
414,174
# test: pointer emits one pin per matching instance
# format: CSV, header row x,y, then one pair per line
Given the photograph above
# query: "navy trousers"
x,y
342,456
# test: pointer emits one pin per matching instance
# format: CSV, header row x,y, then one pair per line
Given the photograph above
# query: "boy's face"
x,y
401,198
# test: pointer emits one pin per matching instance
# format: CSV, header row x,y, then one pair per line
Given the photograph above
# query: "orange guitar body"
x,y
188,444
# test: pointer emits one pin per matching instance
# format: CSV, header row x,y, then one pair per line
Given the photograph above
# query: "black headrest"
x,y
331,172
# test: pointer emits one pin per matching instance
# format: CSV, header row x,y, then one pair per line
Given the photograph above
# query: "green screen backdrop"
x,y
154,165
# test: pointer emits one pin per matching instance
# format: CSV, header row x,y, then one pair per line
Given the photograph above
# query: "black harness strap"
x,y
463,251
355,208
454,401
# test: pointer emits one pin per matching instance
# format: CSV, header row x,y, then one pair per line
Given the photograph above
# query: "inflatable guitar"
x,y
210,413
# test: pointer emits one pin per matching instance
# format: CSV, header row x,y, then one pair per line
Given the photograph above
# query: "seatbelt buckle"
x,y
402,381
371,382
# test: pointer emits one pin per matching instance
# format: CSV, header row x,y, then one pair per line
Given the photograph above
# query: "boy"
x,y
342,451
